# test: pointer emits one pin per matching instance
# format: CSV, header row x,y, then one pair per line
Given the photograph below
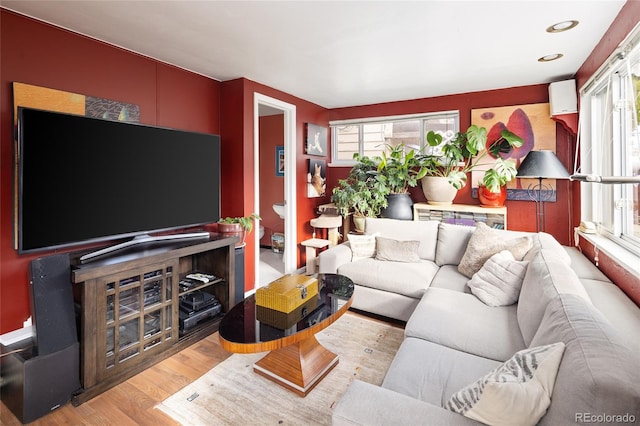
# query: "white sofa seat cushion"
x,y
449,278
461,321
409,279
446,371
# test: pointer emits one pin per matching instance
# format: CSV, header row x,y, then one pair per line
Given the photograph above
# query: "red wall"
x,y
521,214
40,54
237,146
271,186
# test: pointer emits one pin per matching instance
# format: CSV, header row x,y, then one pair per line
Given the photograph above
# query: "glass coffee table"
x,y
296,359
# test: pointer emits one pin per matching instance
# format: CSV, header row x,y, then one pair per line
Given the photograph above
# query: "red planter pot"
x,y
492,199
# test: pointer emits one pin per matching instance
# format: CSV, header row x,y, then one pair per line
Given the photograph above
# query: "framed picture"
x,y
531,122
316,140
316,178
280,160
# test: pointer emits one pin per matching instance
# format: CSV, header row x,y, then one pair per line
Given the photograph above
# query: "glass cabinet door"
x,y
138,315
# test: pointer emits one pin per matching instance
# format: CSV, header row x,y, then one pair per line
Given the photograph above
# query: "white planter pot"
x,y
438,191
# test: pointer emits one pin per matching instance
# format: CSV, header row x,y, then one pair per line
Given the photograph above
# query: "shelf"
x,y
461,214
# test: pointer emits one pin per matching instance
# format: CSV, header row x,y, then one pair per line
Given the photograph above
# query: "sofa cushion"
x,y
516,392
367,404
409,279
424,231
431,372
617,308
449,278
461,321
452,243
362,246
397,251
598,373
499,280
484,243
546,277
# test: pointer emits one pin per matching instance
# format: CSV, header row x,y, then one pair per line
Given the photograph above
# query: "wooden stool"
x,y
312,245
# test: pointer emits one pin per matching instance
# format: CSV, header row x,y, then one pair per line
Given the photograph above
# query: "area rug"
x,y
232,394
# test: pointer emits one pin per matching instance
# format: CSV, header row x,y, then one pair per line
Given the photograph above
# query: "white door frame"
x,y
291,239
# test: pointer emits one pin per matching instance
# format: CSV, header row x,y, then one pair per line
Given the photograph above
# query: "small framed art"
x,y
316,140
280,160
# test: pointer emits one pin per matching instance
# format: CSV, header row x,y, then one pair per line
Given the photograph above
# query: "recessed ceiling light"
x,y
549,58
562,26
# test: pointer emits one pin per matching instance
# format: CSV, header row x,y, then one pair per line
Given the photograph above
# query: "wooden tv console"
x,y
128,305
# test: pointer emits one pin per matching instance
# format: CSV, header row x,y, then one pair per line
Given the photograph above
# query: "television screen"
x,y
83,179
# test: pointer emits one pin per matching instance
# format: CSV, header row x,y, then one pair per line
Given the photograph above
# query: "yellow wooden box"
x,y
287,292
283,320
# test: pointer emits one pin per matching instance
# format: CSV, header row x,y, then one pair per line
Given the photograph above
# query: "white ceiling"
x,y
347,53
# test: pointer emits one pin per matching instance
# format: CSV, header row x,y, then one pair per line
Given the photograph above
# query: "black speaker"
x,y
239,272
33,386
52,305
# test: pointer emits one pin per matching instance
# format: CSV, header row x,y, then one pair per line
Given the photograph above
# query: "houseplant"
x,y
460,156
402,169
363,193
492,191
237,226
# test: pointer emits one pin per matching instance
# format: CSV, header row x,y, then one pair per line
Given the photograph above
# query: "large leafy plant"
x,y
457,157
364,192
401,167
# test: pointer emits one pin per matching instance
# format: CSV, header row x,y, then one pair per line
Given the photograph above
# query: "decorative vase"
x,y
232,230
492,199
438,191
358,223
399,206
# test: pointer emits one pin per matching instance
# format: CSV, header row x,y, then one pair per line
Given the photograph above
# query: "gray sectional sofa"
x,y
566,352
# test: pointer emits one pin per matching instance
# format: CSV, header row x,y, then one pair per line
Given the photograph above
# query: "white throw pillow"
x,y
499,281
362,246
518,392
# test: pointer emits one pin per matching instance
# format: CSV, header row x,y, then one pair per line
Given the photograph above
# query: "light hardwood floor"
x,y
132,402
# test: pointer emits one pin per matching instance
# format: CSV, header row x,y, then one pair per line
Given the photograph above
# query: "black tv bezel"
x,y
115,238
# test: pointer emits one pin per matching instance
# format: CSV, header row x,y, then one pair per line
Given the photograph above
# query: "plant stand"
x,y
312,246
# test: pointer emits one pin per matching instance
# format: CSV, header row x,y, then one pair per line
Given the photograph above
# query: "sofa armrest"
x,y
330,260
367,404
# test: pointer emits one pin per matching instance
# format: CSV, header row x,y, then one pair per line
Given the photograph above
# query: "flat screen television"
x,y
83,180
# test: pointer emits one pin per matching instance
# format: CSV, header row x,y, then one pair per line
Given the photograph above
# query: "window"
x,y
370,137
610,144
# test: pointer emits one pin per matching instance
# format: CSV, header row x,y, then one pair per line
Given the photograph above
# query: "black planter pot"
x,y
400,207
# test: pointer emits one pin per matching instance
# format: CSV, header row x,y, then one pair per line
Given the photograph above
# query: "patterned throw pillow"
x,y
484,243
362,246
518,392
499,281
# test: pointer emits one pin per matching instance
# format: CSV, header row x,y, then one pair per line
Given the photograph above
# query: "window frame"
x,y
608,132
361,122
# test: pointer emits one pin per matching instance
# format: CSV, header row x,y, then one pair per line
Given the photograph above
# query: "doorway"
x,y
270,105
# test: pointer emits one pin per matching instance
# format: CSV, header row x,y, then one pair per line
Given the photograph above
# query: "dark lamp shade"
x,y
542,164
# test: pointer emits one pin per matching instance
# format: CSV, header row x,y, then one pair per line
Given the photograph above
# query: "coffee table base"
x,y
298,367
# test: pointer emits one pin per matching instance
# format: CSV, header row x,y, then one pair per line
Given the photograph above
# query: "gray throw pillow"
x,y
397,251
484,243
